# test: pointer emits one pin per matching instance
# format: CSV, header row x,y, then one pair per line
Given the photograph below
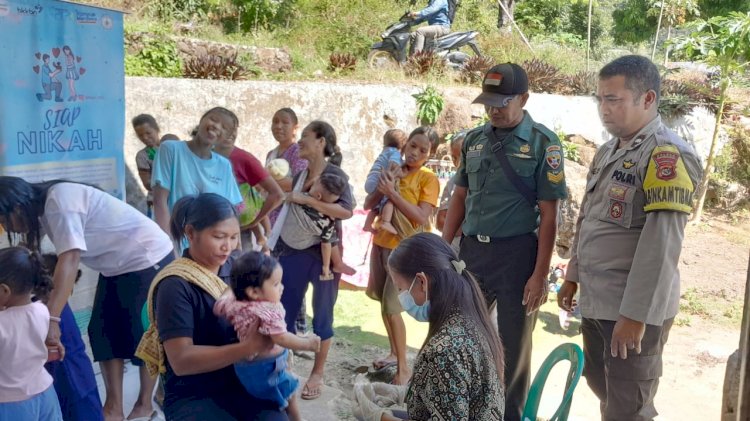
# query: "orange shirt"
x,y
419,186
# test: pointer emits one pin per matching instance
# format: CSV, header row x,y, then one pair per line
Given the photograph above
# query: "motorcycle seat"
x,y
456,36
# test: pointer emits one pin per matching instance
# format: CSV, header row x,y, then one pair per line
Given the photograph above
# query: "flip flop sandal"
x,y
385,366
310,396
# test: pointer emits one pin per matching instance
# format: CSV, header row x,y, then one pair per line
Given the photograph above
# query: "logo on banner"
x,y
107,22
85,17
31,11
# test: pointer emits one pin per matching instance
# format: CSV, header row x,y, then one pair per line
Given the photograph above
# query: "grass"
x,y
357,319
716,307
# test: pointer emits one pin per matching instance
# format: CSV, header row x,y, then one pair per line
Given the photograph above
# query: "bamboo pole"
x,y
513,21
588,43
658,28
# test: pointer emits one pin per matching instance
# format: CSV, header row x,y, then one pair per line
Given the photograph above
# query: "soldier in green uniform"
x,y
508,186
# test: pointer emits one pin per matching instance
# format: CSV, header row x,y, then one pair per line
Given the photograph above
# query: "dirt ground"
x,y
713,265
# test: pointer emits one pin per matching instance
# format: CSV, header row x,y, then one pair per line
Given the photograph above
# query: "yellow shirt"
x,y
420,186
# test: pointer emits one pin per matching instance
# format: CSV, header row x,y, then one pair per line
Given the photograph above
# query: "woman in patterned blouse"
x,y
458,374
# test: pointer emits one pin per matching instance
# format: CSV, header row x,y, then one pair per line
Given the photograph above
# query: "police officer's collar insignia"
x,y
628,164
595,171
640,138
525,148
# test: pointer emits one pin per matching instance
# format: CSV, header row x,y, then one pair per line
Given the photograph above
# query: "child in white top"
x,y
26,391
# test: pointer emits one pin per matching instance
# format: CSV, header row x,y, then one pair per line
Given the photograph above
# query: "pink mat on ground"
x,y
357,249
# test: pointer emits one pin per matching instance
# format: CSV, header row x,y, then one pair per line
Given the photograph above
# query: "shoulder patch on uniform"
x,y
553,156
667,184
555,177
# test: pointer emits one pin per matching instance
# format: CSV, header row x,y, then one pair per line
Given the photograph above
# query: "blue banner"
x,y
62,93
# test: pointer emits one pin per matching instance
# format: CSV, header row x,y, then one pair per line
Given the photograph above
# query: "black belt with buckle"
x,y
484,238
487,239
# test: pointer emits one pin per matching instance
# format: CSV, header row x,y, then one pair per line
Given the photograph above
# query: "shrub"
x,y
544,77
733,162
342,62
571,150
153,56
215,67
679,97
424,62
583,83
475,68
430,104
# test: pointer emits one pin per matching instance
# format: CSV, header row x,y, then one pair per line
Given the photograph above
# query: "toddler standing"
x,y
147,130
26,391
254,302
393,142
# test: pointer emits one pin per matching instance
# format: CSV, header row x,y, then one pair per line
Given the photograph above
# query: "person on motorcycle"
x,y
438,23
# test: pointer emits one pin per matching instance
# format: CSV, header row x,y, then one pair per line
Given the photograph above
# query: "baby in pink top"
x,y
26,391
254,302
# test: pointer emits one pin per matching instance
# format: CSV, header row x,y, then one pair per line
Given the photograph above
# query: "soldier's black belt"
x,y
487,239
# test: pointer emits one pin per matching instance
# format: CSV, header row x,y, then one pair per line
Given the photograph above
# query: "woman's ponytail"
x,y
178,221
24,272
41,279
335,157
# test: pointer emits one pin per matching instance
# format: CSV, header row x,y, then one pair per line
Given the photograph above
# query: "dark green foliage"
x,y
152,54
632,22
711,8
178,9
560,20
578,21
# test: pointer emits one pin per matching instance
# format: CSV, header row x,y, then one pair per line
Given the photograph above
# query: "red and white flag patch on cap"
x,y
493,79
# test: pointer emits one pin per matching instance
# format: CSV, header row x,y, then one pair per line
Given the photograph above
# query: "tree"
x,y
674,13
723,42
711,8
632,22
505,12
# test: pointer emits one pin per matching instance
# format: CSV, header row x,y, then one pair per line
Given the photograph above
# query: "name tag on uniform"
x,y
473,154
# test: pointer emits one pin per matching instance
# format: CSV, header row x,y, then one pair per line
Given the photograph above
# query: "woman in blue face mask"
x,y
458,373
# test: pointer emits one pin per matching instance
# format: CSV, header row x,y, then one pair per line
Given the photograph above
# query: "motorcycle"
x,y
393,49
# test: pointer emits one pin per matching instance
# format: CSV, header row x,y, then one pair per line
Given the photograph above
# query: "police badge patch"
x,y
553,156
616,209
666,164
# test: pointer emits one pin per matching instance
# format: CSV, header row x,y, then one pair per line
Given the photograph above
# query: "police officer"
x,y
508,186
628,239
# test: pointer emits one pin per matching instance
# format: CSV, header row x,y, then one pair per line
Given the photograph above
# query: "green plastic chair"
x,y
570,352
